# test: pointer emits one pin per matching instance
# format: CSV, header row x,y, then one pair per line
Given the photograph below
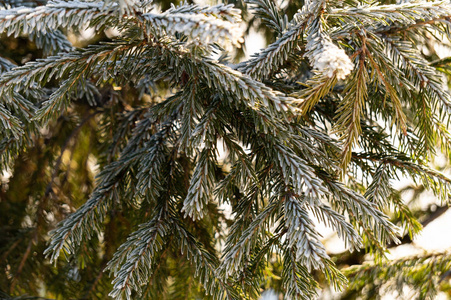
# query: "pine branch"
x,y
386,20
202,29
379,190
51,42
207,128
351,110
158,158
220,11
191,112
232,84
297,173
316,88
71,232
297,280
79,226
268,61
242,173
434,180
336,221
10,124
269,13
411,270
129,7
201,186
302,236
149,177
235,254
324,56
6,65
133,262
81,62
205,264
382,74
429,88
398,14
43,19
344,199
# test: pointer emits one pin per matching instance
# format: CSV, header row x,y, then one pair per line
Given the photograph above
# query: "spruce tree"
x,y
212,173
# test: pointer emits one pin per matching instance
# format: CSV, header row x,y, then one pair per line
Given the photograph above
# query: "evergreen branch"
x,y
438,182
234,86
219,11
336,221
54,67
382,75
76,65
404,13
51,42
6,65
43,19
205,130
191,111
19,3
268,61
242,173
423,76
314,8
149,178
316,147
10,124
344,199
316,88
302,236
297,280
297,173
442,131
388,20
133,262
379,190
58,102
324,56
351,109
245,213
200,187
310,252
205,264
242,87
129,7
16,103
234,255
158,157
71,232
409,270
9,148
269,13
127,122
203,29
407,217
94,210
79,226
418,70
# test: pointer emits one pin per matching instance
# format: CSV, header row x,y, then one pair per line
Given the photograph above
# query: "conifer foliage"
x,y
313,128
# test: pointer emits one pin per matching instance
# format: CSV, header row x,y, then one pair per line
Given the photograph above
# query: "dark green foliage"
x,y
210,177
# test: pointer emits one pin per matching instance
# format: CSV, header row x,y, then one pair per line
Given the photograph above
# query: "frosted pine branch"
x,y
55,14
270,59
220,11
302,236
201,186
202,29
324,55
